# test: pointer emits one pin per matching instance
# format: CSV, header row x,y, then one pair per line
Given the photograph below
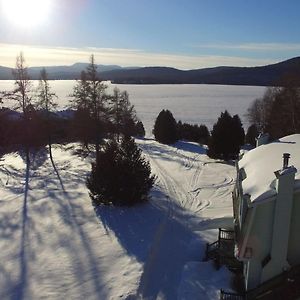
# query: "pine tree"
x,y
226,137
120,176
203,135
139,129
46,104
238,130
22,94
252,134
91,101
123,115
193,133
165,128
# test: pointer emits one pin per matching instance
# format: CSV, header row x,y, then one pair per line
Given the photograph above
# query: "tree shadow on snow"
x,y
152,234
42,195
168,153
190,147
134,226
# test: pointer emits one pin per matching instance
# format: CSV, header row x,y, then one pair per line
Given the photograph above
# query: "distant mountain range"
x,y
264,76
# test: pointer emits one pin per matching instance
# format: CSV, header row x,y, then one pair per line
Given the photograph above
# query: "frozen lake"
x,y
193,103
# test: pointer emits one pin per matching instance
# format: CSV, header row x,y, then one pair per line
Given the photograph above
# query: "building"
x,y
266,203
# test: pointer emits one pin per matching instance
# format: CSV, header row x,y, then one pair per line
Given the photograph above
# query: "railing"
x,y
211,250
225,234
222,251
230,296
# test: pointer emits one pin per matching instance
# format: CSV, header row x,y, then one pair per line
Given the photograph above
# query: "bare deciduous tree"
x,y
278,111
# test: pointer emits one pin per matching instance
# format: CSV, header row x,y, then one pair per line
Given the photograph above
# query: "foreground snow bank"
x,y
54,245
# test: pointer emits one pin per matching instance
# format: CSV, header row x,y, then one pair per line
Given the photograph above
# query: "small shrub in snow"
x,y
120,175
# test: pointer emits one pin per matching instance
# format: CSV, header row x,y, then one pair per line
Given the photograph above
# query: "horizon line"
x,y
39,56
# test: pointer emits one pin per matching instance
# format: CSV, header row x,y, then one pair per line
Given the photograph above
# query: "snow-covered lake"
x,y
196,103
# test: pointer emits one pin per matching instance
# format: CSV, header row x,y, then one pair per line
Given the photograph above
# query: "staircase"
x,y
222,250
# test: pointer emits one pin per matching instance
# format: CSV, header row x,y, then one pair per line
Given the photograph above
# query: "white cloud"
x,y
252,46
45,56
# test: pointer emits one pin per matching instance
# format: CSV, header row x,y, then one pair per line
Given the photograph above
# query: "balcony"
x,y
222,250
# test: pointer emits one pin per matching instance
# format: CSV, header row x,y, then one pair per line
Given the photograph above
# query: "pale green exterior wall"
x,y
283,245
259,240
294,239
281,225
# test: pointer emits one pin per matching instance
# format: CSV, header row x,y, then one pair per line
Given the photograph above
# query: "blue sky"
x,y
180,33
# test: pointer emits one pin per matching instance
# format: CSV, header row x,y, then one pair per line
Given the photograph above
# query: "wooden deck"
x,y
222,250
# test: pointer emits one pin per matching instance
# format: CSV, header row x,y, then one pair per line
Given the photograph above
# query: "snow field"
x,y
55,245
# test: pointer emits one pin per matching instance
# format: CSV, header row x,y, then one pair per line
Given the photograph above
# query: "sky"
x,y
186,34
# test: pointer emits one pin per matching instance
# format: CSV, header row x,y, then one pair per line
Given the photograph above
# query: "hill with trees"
x,y
269,75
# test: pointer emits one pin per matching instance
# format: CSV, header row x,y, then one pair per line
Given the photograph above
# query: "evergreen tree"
x,y
22,94
238,130
203,135
45,102
90,99
165,128
226,137
139,129
120,176
123,115
252,134
193,133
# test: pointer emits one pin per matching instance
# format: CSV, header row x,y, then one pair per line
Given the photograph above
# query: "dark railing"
x,y
222,251
225,234
230,296
211,250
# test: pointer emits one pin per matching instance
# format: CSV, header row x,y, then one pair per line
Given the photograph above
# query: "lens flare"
x,y
26,13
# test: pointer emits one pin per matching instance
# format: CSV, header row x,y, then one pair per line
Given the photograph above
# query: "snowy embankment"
x,y
54,245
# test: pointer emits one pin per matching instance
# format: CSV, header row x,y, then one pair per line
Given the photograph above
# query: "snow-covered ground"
x,y
55,245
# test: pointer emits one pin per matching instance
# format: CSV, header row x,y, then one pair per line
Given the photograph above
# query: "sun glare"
x,y
26,13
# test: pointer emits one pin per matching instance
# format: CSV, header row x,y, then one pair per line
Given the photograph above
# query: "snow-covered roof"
x,y
261,163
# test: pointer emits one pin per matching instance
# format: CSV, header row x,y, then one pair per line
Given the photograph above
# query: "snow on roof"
x,y
261,163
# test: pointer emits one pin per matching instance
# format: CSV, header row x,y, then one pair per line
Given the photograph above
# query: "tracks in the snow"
x,y
194,189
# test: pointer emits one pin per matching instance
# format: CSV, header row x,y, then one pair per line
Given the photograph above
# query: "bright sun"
x,y
26,13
